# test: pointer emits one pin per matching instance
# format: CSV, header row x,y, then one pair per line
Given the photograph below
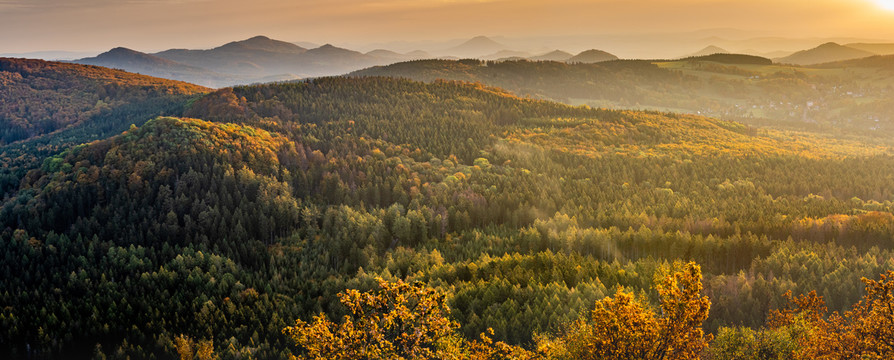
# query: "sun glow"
x,y
886,4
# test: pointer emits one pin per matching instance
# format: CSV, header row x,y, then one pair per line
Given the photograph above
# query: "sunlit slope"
x,y
643,134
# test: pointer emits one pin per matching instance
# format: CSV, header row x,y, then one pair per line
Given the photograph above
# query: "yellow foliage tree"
x,y
624,327
399,321
190,350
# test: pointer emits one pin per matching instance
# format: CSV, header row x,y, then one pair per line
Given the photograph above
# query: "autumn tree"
x,y
626,327
399,321
873,318
189,349
865,332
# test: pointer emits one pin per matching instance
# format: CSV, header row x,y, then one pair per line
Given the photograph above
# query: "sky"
x,y
153,25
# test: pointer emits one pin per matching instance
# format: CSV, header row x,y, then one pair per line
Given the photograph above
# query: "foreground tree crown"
x,y
410,321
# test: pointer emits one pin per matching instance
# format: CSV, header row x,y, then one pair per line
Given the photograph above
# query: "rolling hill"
x,y
872,62
394,56
731,86
555,55
45,97
146,64
591,56
824,53
732,59
51,106
551,80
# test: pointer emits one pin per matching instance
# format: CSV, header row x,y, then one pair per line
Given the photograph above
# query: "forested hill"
x,y
613,80
48,107
853,97
41,97
260,204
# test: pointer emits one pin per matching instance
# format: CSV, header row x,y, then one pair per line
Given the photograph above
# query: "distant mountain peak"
x,y
480,38
258,38
476,46
708,50
555,55
335,53
714,49
481,41
592,51
122,50
148,64
557,52
264,43
386,54
124,56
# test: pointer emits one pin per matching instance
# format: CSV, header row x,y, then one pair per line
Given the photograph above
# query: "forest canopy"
x,y
217,220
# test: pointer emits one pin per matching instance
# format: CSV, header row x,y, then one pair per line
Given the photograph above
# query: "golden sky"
x,y
33,25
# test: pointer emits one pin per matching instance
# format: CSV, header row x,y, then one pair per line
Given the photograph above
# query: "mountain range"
x,y
255,60
261,59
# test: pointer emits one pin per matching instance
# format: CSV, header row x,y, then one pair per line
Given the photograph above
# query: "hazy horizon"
x,y
626,46
154,25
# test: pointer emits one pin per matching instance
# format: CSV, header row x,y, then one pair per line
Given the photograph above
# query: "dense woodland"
x,y
208,232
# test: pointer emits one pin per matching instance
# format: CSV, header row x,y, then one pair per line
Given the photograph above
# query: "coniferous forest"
x,y
383,218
